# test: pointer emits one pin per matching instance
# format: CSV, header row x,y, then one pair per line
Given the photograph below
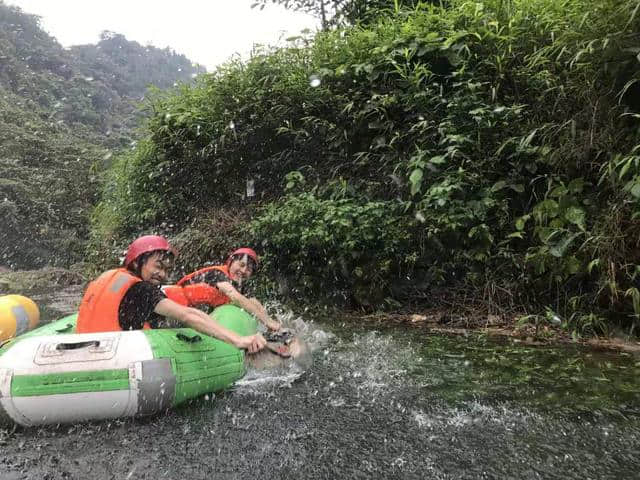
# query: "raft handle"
x,y
77,345
188,339
68,326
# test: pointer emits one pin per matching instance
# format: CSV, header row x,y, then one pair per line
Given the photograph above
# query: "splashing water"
x,y
266,370
314,81
390,403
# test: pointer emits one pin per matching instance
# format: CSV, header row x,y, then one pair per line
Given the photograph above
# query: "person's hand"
x,y
274,325
252,343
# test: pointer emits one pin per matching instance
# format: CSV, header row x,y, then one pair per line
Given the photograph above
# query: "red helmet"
x,y
244,251
144,244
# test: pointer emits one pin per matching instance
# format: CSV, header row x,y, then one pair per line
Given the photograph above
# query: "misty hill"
x,y
129,68
63,113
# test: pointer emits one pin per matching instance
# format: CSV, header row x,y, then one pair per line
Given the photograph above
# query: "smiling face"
x,y
155,268
241,268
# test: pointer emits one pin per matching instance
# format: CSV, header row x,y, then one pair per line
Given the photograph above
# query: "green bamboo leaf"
x,y
576,185
416,180
547,207
559,191
576,216
559,249
499,185
624,169
573,265
520,222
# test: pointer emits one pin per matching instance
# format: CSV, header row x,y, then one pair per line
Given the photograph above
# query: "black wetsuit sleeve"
x,y
213,277
138,304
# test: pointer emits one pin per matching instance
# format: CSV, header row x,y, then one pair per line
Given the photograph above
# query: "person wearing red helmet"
x,y
220,284
130,298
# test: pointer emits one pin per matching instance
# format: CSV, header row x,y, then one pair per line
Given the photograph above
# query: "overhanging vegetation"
x,y
488,149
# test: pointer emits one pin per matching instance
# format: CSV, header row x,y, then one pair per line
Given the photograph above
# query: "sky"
x,y
207,31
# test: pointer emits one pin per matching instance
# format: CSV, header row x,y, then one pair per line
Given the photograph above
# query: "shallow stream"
x,y
391,403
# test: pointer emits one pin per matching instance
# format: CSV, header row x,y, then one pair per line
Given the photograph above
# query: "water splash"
x,y
314,81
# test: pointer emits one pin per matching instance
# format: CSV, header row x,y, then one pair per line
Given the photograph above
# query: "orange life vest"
x,y
99,307
197,292
193,294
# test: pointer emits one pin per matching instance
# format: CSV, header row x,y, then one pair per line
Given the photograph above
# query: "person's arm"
x,y
251,305
203,323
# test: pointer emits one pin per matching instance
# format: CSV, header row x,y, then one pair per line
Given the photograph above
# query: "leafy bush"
x,y
343,244
499,138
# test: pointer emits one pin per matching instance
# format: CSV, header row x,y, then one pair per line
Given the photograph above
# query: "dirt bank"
x,y
447,322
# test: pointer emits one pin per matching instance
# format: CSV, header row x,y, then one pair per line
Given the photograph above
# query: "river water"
x,y
385,403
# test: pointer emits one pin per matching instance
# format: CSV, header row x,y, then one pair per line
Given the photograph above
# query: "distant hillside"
x,y
63,113
130,68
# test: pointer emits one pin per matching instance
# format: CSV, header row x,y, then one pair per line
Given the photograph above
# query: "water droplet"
x,y
314,81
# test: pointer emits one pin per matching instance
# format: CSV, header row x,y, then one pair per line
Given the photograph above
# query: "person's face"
x,y
156,269
241,268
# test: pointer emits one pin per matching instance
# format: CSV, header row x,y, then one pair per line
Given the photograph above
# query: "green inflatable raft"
x,y
52,375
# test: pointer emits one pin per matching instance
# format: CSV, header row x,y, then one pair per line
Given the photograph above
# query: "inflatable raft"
x,y
51,375
18,314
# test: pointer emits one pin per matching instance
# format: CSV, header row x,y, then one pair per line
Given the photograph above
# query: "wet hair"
x,y
135,267
250,261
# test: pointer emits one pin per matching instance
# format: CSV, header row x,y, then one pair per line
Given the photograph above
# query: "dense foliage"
x,y
345,12
62,114
488,149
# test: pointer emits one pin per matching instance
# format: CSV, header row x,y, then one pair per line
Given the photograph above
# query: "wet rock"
x,y
27,281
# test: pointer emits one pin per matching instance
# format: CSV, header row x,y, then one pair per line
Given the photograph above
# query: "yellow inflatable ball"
x,y
18,314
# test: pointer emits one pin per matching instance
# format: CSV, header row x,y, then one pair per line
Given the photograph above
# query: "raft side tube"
x,y
201,364
50,354
51,375
155,384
